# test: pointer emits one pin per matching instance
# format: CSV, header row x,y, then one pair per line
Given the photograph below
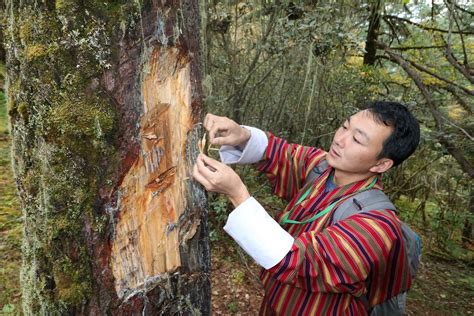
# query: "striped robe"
x,y
329,267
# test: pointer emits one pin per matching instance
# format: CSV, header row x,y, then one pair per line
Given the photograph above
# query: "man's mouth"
x,y
333,152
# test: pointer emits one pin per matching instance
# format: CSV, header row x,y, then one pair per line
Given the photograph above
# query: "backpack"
x,y
367,201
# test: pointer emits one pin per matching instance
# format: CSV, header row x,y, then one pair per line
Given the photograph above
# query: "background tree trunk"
x,y
372,34
104,97
2,26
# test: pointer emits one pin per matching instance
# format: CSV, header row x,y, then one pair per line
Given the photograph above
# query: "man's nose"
x,y
340,138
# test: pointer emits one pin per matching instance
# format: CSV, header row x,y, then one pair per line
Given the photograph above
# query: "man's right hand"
x,y
224,131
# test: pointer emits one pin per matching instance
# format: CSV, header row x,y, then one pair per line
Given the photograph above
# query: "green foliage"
x,y
469,282
297,70
8,309
3,106
238,277
10,229
233,307
281,62
219,208
3,115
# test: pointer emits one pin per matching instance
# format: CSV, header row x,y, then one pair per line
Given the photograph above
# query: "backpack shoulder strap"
x,y
316,171
365,201
375,199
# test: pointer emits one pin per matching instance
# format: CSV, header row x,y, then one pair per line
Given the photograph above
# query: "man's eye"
x,y
344,126
355,139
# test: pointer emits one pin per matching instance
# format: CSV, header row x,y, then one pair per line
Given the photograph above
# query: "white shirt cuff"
x,y
253,151
258,233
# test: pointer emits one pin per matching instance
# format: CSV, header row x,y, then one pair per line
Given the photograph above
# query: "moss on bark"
x,y
74,131
64,129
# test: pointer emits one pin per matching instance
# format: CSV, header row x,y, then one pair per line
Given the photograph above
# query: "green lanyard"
x,y
328,209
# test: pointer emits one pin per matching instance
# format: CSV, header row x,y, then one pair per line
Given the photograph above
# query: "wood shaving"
x,y
202,143
150,136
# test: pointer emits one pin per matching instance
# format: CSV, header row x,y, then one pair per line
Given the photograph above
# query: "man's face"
x,y
357,144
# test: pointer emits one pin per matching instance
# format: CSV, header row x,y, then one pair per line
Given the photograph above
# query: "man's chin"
x,y
330,161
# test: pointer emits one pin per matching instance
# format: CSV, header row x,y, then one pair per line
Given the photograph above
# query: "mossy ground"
x,y
10,225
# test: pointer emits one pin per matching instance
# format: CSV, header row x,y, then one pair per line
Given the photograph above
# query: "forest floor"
x,y
443,287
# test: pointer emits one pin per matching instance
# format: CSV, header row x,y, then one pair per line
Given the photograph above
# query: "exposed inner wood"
x,y
146,241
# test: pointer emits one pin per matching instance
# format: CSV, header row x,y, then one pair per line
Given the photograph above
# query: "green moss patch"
x,y
64,148
10,227
3,115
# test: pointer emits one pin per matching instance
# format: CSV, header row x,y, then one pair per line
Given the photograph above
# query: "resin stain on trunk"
x,y
152,193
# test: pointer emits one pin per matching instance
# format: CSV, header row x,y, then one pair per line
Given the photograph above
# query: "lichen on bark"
x,y
64,129
75,102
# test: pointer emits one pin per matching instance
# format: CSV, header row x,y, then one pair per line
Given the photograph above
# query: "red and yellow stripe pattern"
x,y
330,268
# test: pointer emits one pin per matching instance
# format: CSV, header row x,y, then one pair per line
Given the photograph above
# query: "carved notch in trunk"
x,y
146,241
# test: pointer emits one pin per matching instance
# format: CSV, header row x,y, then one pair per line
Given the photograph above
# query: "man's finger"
x,y
209,121
214,133
204,169
206,120
211,162
199,178
221,140
216,141
209,124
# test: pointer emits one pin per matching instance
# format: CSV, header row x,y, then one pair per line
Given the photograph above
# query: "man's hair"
x,y
406,130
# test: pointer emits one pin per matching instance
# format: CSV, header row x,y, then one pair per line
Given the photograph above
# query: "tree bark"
x,y
372,34
467,231
104,99
2,26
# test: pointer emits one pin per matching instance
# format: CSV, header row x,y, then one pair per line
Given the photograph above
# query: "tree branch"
x,y
466,62
407,181
418,81
390,58
458,98
394,31
424,69
459,127
394,17
453,61
465,164
417,47
460,8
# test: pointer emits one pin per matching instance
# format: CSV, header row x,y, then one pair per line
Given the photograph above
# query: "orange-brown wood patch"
x,y
146,241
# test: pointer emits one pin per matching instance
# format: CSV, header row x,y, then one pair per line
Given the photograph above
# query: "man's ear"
x,y
382,165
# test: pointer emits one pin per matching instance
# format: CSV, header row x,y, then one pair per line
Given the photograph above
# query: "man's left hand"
x,y
218,177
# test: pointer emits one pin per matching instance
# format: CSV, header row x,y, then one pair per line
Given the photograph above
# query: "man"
x,y
312,266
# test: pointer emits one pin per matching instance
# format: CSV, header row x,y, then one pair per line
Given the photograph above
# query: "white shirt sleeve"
x,y
253,151
258,233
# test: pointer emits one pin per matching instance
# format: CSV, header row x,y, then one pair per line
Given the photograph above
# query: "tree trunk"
x,y
467,231
2,26
104,97
372,34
